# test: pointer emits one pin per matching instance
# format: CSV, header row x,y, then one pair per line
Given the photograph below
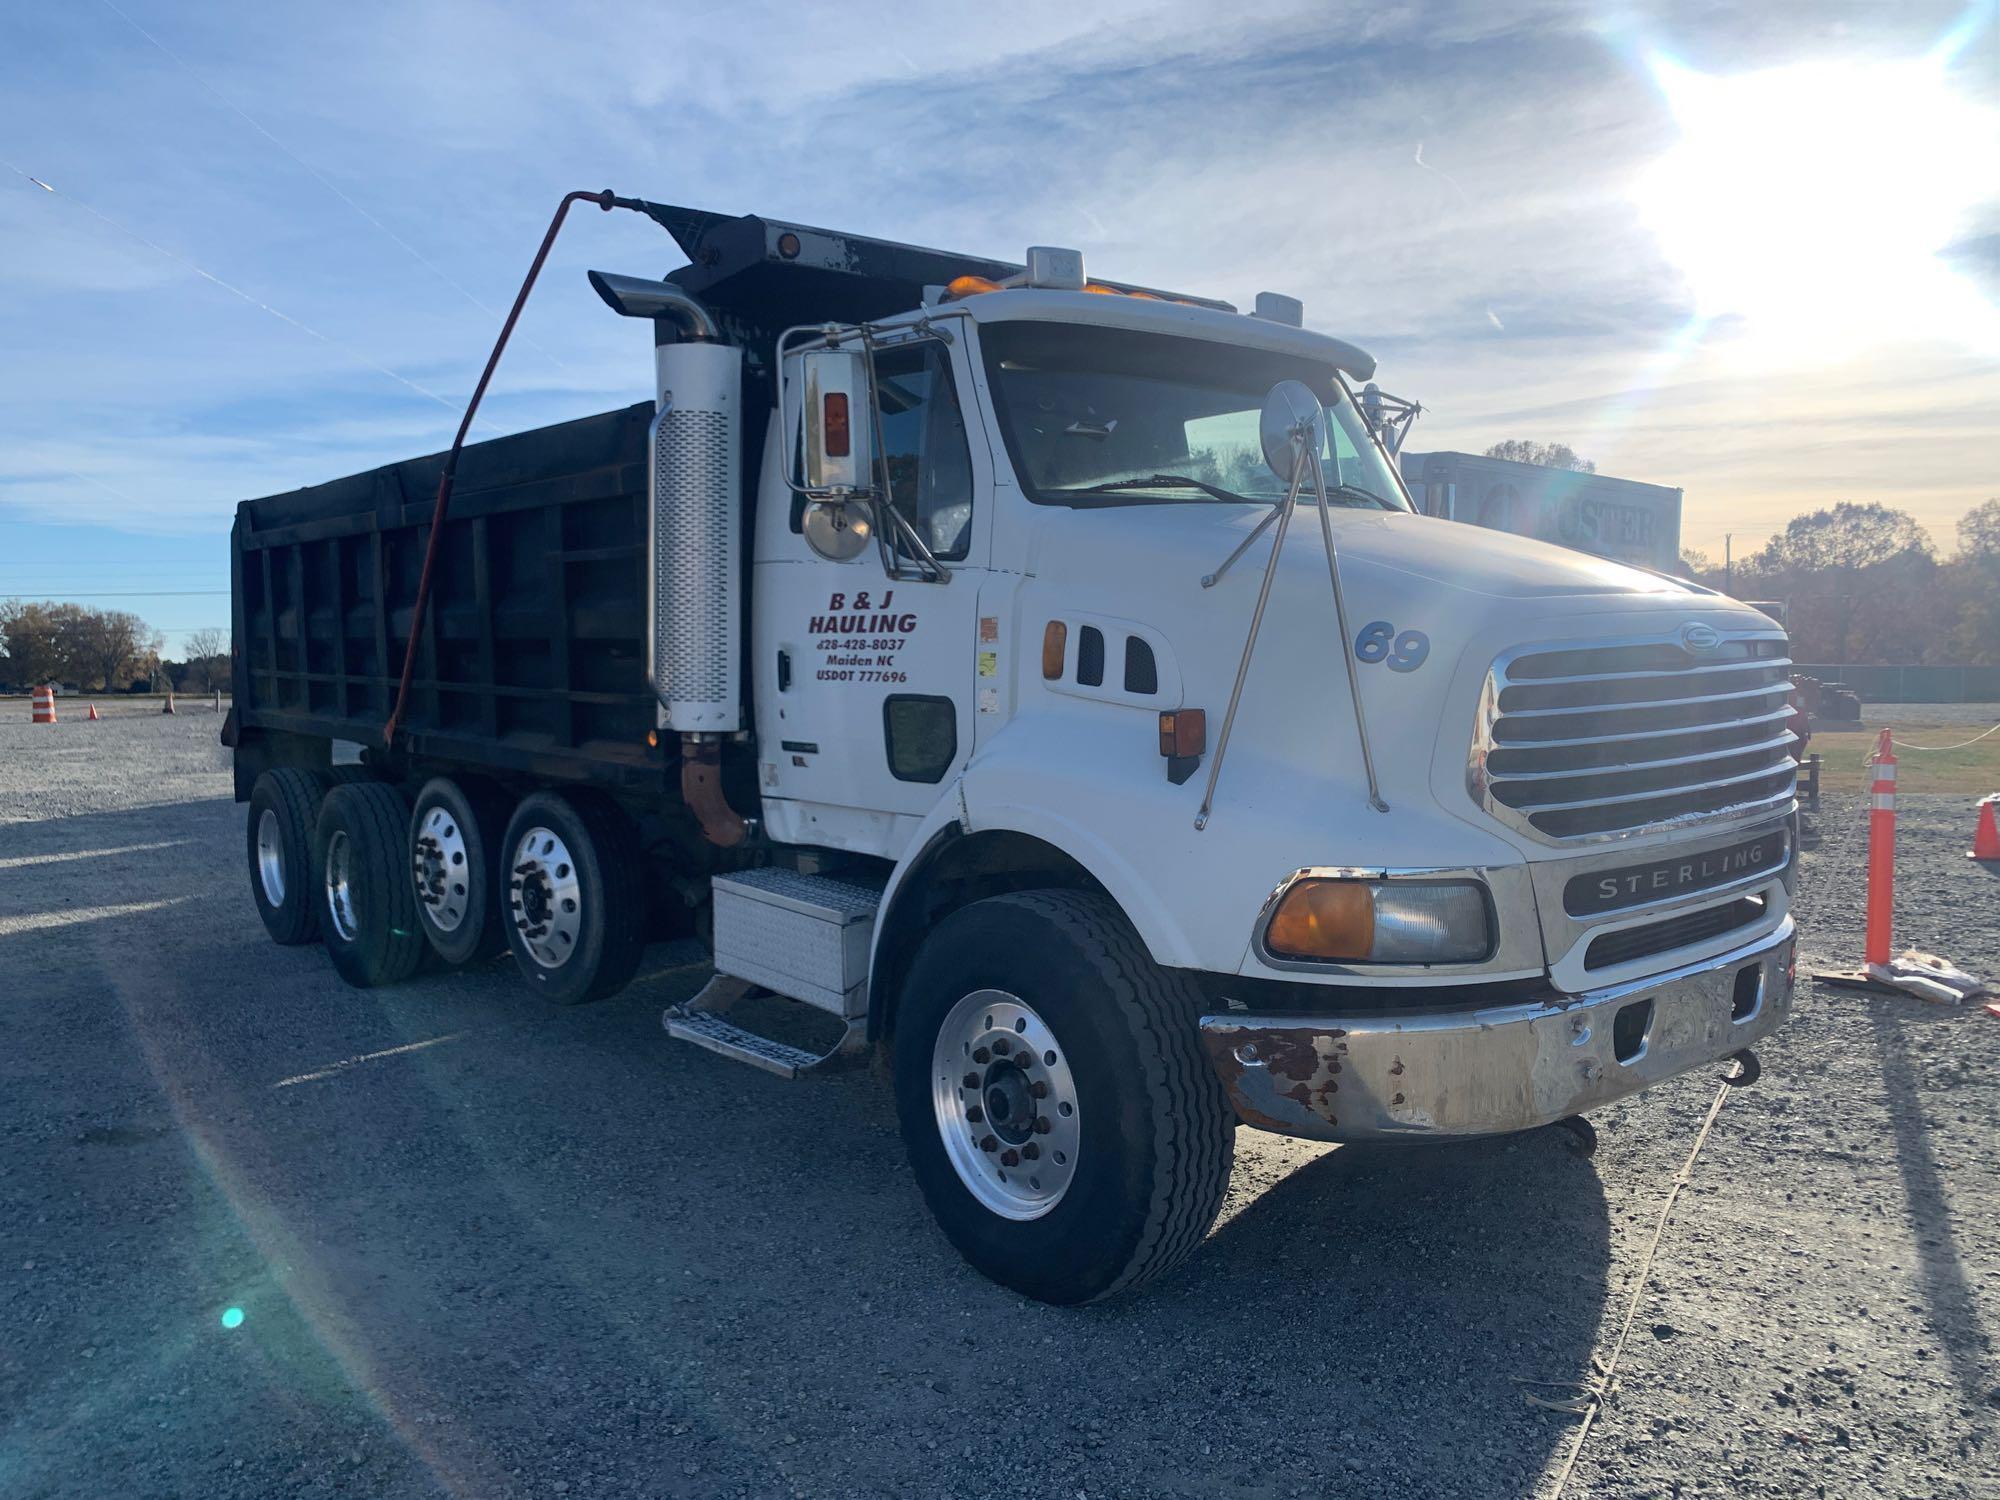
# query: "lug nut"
x,y
989,1144
1041,1124
1039,1088
1031,1152
982,1056
969,1081
1010,1158
1003,1046
975,1114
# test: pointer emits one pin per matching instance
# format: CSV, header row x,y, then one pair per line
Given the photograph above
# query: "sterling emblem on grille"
x,y
1698,637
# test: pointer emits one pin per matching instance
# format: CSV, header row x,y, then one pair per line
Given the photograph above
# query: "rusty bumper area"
x,y
1487,1072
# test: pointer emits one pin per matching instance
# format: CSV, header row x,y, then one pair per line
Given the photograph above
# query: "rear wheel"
x,y
575,902
454,840
283,805
1062,1123
367,905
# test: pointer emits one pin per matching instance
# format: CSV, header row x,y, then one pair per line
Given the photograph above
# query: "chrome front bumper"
x,y
1468,1073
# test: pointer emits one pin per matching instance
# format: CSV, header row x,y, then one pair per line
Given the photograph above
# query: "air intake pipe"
x,y
694,541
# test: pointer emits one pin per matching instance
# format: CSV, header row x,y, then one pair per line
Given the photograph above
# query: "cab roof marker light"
x,y
1276,307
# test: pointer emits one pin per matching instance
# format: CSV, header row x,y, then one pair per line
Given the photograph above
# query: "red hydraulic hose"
x,y
606,200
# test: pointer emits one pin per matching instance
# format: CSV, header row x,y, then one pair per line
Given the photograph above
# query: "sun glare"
x,y
1811,202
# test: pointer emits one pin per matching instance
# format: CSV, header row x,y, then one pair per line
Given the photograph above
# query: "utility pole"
x,y
1728,566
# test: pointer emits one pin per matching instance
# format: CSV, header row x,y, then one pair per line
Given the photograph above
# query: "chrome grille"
x,y
1601,741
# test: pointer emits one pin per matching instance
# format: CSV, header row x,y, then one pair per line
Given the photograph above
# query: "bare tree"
x,y
1979,532
207,658
1548,455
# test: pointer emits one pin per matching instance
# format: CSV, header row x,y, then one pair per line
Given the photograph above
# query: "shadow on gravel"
x,y
478,1246
1391,1302
109,863
1953,1311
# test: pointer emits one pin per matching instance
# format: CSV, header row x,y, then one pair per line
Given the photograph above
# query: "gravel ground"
x,y
484,1248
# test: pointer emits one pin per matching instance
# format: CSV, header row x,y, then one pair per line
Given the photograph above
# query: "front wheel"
x,y
1060,1118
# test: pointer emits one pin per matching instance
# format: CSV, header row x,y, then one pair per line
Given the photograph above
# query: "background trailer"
x,y
1621,519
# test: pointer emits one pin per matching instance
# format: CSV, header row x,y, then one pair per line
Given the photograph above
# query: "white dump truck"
x,y
1046,680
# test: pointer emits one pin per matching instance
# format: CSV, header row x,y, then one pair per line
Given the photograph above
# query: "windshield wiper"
x,y
1170,482
1355,490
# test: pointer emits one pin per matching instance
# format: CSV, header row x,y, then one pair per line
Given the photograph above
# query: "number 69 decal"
x,y
1379,641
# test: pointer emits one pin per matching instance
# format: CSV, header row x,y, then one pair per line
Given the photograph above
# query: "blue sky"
x,y
1450,185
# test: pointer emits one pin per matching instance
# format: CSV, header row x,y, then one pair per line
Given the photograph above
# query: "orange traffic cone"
x,y
1986,838
45,705
92,715
169,708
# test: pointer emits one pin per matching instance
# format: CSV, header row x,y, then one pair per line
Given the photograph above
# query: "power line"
x,y
236,291
234,108
132,594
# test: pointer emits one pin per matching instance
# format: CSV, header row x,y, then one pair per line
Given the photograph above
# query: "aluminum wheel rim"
x,y
545,897
442,872
1006,1104
340,886
271,858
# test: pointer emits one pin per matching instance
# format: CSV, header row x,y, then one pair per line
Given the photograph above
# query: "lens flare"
x,y
1813,202
232,1317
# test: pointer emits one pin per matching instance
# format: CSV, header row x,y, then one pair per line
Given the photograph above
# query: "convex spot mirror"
x,y
837,419
1292,414
838,530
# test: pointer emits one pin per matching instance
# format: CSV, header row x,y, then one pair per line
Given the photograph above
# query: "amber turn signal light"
x,y
1184,733
1323,919
838,443
1055,642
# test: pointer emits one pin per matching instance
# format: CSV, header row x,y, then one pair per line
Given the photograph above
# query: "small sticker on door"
x,y
989,700
989,664
989,629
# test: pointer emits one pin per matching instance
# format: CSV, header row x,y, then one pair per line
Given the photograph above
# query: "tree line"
x,y
1860,582
108,650
1863,582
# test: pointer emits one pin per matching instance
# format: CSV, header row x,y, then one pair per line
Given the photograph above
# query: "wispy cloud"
x,y
330,167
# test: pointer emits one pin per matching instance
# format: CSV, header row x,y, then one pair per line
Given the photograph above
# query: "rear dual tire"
x,y
283,807
573,903
367,902
453,847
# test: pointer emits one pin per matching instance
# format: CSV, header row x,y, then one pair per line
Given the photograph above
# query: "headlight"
x,y
1382,922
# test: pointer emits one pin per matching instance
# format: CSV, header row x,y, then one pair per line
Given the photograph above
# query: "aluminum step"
x,y
703,1021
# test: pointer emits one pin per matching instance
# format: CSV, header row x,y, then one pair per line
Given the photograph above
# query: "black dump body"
x,y
533,659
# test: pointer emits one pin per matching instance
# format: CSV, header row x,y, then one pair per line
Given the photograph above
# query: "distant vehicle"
x,y
1622,519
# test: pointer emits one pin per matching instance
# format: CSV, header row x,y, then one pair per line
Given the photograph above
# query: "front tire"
x,y
1046,1001
367,905
575,903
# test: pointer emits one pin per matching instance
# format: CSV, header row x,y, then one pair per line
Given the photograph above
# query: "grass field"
x,y
1974,769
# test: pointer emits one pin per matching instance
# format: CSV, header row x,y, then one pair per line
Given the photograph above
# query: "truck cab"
x,y
1030,737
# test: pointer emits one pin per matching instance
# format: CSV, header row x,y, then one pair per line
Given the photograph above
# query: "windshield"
x,y
1105,416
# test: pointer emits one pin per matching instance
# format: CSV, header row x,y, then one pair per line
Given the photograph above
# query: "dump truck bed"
x,y
533,657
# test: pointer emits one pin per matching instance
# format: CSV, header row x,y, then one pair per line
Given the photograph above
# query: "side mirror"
x,y
837,420
1292,416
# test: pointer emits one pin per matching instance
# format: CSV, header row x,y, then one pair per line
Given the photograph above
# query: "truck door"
x,y
865,683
